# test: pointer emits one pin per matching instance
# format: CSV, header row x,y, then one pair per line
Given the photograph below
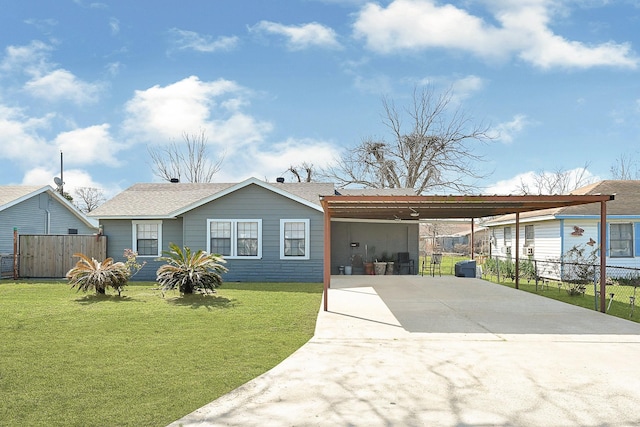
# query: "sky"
x,y
282,82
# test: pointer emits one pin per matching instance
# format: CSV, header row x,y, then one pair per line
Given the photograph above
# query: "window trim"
x,y
631,240
504,236
234,236
307,236
134,236
529,241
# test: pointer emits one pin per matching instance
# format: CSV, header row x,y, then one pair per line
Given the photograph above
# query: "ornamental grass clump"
x,y
190,272
90,273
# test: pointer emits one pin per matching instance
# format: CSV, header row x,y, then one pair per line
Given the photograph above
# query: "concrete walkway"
x,y
424,351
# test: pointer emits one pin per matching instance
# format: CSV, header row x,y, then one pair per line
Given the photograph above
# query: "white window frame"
x,y
234,237
529,240
307,234
134,236
631,240
507,242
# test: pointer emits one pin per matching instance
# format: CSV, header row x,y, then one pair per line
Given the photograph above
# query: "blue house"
x,y
38,210
265,231
549,234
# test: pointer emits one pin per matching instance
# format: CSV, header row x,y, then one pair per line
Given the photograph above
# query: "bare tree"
x,y
625,167
433,153
88,198
560,181
188,161
303,172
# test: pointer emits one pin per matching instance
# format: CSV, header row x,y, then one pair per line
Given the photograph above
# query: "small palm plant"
x,y
92,274
190,271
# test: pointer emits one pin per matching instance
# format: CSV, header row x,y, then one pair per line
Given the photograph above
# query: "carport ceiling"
x,y
435,207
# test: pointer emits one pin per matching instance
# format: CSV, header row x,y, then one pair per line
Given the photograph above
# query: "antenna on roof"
x,y
60,181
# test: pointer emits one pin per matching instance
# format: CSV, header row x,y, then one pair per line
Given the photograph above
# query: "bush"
x,y
190,272
92,274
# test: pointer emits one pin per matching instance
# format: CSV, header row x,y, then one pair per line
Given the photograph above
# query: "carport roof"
x,y
403,207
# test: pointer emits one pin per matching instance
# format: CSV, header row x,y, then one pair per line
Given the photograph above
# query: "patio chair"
x,y
433,264
403,261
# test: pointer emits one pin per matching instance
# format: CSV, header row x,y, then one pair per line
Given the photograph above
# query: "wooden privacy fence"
x,y
51,256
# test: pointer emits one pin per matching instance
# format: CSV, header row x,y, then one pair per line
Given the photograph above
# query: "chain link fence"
x,y
578,283
6,266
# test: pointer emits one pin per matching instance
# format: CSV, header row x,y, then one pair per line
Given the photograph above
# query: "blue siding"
x,y
120,237
254,202
41,214
636,239
251,202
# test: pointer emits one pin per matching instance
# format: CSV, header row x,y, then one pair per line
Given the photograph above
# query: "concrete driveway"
x,y
425,351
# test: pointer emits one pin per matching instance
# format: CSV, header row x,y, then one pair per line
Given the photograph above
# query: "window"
x,y
235,238
621,240
147,237
507,236
529,235
294,239
220,238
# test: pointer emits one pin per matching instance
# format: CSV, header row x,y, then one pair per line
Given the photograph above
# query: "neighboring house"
x,y
265,231
38,210
549,234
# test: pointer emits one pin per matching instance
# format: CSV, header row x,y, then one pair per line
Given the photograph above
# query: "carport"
x,y
412,208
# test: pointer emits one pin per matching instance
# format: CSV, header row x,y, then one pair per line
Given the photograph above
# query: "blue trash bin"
x,y
465,268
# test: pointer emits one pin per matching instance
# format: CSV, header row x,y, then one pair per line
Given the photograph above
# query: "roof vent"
x,y
280,180
174,180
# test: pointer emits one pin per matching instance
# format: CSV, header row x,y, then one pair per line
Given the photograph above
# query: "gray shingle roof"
x,y
11,193
170,199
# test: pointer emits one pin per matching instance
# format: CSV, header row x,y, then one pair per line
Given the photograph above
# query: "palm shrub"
x,y
90,273
190,271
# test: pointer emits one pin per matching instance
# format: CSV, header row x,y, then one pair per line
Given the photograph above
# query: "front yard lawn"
x,y
75,359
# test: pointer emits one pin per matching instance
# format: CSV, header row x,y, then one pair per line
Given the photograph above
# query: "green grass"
x,y
448,263
620,306
77,359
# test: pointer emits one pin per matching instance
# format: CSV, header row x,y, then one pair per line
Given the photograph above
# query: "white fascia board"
x,y
25,197
522,221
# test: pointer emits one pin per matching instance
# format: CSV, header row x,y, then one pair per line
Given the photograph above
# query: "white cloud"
x,y
73,179
60,85
523,31
273,162
511,185
31,59
505,132
46,80
190,40
19,134
161,114
91,145
465,87
114,25
301,37
576,177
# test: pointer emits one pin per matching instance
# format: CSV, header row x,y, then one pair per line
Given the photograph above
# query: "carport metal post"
x,y
603,256
327,254
472,241
517,250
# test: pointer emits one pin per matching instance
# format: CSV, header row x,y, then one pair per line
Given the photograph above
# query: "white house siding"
x,y
547,241
556,237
